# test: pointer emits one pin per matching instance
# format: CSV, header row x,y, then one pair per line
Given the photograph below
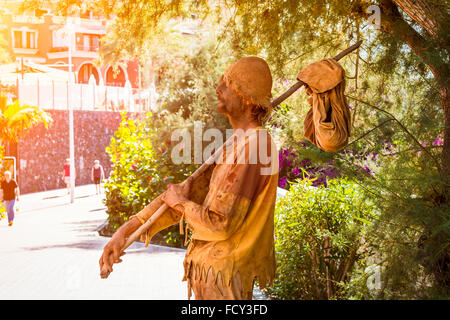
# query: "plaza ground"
x,y
53,248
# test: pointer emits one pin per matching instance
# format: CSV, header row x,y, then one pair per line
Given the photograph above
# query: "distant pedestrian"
x,y
66,175
97,175
9,194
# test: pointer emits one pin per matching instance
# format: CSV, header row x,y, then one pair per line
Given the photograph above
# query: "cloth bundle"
x,y
328,122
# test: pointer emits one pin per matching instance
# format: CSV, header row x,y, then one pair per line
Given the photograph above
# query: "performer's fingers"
x,y
187,185
110,263
105,263
116,253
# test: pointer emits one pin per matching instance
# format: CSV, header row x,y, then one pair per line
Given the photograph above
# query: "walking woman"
x,y
97,175
9,194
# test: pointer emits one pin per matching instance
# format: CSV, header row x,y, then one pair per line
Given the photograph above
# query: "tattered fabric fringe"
x,y
201,272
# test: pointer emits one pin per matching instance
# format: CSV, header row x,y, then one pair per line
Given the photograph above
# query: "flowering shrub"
x,y
365,162
139,174
292,168
319,231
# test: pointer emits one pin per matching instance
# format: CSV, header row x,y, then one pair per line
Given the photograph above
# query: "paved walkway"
x,y
53,248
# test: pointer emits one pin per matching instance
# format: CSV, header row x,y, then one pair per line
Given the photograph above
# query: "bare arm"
x,y
17,193
112,251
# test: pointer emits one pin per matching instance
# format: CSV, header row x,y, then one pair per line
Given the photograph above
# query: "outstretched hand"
x,y
112,253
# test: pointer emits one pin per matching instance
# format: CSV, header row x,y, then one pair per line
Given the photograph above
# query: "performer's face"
x,y
228,102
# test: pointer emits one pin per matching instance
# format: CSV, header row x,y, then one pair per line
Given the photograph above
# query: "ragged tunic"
x,y
233,229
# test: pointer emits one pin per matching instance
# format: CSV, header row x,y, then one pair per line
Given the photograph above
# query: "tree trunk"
x,y
434,18
444,93
431,15
427,48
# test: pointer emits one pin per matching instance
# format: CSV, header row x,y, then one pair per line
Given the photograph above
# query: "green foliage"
x,y
2,211
138,174
16,119
319,235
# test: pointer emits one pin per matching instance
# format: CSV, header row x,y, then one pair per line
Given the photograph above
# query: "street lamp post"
x,y
70,107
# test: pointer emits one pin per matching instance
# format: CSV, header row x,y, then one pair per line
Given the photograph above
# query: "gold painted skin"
x,y
232,242
230,208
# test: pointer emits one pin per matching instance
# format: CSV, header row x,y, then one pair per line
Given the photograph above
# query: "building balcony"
x,y
79,52
27,19
80,21
27,51
91,48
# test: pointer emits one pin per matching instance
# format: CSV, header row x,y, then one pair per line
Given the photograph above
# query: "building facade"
x,y
44,38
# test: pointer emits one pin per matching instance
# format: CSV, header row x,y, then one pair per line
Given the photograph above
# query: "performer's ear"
x,y
246,104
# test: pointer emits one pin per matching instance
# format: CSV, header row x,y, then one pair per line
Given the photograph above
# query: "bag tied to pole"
x,y
328,122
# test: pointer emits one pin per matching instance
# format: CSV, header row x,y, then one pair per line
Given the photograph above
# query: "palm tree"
x,y
16,119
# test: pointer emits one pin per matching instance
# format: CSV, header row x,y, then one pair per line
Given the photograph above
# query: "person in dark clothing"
x,y
9,194
97,175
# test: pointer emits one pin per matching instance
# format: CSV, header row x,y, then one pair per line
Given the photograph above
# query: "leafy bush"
x,y
139,174
319,232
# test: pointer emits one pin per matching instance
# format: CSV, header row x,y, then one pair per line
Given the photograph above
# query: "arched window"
x,y
115,78
85,73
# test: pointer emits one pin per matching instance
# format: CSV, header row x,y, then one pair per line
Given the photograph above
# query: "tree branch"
x,y
393,23
403,128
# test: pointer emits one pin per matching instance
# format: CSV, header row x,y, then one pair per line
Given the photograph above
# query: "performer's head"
x,y
245,89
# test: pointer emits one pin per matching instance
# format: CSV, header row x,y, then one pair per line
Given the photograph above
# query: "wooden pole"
x,y
37,85
53,94
299,84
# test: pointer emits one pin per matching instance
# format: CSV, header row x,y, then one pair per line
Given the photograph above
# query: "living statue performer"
x,y
232,241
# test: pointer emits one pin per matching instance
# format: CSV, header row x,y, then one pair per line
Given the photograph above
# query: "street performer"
x,y
232,242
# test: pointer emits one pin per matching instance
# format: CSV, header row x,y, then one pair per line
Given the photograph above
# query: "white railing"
x,y
27,19
51,94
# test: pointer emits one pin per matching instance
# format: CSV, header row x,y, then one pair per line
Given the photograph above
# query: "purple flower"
x,y
368,170
282,183
438,141
305,162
